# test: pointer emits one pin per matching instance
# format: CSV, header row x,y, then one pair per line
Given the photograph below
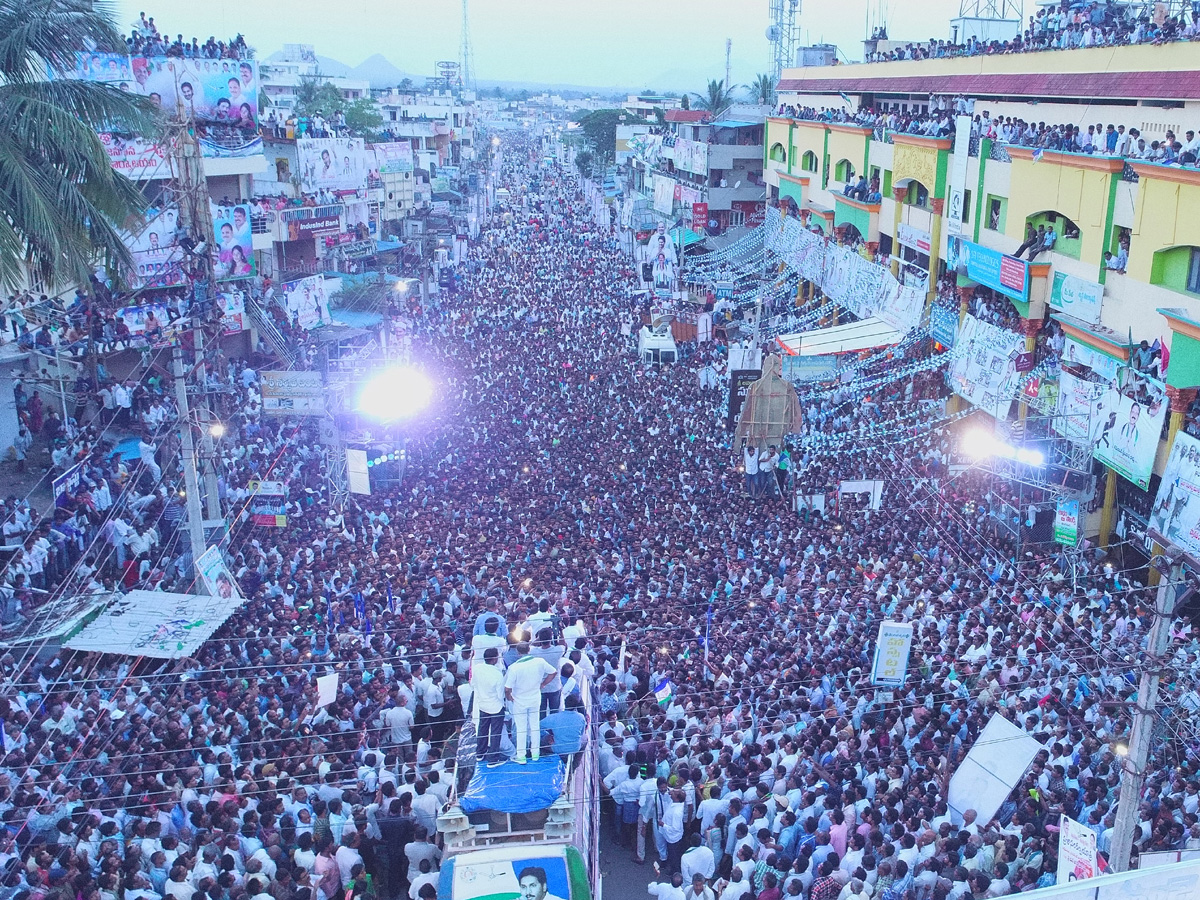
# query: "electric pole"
x,y
1133,773
190,479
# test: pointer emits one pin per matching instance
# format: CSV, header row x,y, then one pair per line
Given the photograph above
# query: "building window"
x,y
918,195
808,162
778,154
1177,269
844,171
997,212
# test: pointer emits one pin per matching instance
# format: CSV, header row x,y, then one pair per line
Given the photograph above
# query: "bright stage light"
x,y
979,444
395,394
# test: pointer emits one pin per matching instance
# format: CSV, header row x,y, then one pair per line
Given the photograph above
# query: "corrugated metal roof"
x,y
1123,85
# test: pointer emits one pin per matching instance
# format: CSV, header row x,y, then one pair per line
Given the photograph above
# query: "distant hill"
x,y
380,72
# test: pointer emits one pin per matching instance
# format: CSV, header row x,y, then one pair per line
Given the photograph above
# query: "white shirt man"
x,y
698,860
523,686
400,720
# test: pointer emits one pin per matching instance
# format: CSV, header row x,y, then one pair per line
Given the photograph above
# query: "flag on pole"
x,y
707,630
664,692
391,600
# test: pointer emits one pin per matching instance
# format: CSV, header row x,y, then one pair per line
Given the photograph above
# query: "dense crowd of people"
x,y
1067,26
146,38
592,505
938,121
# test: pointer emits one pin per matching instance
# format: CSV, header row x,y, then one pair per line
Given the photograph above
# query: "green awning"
x,y
689,237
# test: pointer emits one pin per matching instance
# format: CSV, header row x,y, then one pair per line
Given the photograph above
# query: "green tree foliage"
x,y
762,90
316,95
599,129
716,100
583,162
62,206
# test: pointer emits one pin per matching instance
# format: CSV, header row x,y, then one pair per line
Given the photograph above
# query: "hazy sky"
x,y
662,44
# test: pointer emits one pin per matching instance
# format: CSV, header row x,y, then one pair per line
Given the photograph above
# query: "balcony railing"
x,y
999,153
311,212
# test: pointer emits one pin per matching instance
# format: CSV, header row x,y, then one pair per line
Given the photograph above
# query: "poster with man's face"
x,y
215,575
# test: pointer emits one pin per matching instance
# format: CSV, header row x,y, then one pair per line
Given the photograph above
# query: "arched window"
x,y
778,154
808,162
843,171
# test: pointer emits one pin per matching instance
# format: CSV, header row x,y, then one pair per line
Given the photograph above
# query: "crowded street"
x,y
559,483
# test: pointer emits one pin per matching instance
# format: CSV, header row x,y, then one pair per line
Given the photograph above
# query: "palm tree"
x,y
762,90
62,206
718,100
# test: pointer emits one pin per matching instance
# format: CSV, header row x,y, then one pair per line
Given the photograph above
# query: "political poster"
x,y
1076,851
699,217
1101,364
1175,515
1127,426
983,369
268,504
333,164
664,194
739,386
233,255
488,878
157,257
892,648
1077,297
156,624
219,95
233,311
306,302
393,157
66,484
691,156
1066,523
135,157
148,323
215,576
293,393
1077,398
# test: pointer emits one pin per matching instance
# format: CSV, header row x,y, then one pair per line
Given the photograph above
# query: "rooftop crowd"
x,y
559,484
1066,26
146,38
938,121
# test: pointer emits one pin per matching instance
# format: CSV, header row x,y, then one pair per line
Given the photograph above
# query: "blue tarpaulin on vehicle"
x,y
512,788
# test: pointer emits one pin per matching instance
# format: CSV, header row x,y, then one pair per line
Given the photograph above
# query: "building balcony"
x,y
724,198
722,156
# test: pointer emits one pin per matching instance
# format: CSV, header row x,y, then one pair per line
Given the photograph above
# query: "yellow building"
x,y
925,205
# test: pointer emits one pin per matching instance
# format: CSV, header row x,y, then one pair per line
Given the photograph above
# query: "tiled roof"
x,y
689,116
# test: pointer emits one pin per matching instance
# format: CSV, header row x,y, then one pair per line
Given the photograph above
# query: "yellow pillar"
x,y
1109,510
964,301
1181,399
899,195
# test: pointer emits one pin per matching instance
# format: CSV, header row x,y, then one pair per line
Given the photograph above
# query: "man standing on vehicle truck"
x,y
523,688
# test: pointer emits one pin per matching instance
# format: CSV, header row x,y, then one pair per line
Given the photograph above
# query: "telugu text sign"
x,y
892,648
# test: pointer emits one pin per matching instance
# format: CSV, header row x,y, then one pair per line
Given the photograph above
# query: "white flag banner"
x,y
157,624
327,689
994,766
